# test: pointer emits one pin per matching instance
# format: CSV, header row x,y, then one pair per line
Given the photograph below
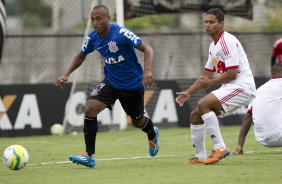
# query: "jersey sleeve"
x,y
230,51
129,37
88,45
209,65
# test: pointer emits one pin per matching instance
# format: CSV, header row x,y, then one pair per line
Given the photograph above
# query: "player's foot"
x,y
217,155
154,144
84,159
193,160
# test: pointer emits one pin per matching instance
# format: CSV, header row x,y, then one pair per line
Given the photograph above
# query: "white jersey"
x,y
267,113
228,53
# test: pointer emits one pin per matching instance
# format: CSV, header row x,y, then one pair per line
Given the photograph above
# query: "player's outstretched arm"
x,y
76,62
245,127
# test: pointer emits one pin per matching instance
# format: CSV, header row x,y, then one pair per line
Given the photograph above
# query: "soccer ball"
x,y
15,157
57,129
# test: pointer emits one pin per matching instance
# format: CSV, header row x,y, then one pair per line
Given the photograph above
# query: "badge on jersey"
x,y
219,66
113,46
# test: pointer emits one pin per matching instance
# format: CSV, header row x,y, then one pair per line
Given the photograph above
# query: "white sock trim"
x,y
202,156
208,115
197,127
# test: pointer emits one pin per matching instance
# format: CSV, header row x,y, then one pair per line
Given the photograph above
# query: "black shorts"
x,y
132,101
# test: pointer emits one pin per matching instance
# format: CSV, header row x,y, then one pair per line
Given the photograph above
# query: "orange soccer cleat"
x,y
217,155
193,160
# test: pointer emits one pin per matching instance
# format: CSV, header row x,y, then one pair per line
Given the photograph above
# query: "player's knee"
x,y
195,117
202,104
90,111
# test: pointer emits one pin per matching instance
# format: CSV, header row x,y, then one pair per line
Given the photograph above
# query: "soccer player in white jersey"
x,y
228,59
266,113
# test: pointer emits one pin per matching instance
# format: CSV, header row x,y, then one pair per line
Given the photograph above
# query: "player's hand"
x,y
204,82
182,98
61,80
238,150
147,78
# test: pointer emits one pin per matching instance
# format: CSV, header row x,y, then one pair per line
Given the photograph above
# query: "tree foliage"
x,y
33,13
274,20
152,22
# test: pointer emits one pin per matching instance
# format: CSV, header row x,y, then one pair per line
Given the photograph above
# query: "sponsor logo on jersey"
x,y
219,66
84,46
113,46
130,35
113,60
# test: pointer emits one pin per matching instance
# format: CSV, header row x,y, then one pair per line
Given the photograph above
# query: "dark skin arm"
x,y
147,77
75,63
245,127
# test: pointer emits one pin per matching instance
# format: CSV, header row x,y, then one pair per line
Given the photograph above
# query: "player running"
x,y
124,80
228,59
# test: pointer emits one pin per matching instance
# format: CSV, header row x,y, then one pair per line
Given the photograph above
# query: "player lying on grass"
x,y
124,80
228,59
265,112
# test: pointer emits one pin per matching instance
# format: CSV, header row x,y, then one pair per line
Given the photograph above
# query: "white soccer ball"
x,y
57,129
15,157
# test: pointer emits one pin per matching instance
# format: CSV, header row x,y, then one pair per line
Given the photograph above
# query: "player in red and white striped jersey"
x,y
228,59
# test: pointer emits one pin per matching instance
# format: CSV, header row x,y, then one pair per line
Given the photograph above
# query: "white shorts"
x,y
232,97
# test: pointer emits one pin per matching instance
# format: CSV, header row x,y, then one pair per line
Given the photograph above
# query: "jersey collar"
x,y
215,42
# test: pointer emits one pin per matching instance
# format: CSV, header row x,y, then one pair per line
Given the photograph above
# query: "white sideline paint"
x,y
250,152
105,159
132,158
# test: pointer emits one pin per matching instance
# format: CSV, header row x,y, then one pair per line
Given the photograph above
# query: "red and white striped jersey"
x,y
228,53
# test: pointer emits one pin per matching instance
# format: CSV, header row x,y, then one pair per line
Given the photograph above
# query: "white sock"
x,y
211,122
198,134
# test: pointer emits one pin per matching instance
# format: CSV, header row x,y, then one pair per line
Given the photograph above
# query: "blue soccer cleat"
x,y
84,159
154,144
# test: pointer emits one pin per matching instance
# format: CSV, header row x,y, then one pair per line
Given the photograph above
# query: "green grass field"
x,y
122,158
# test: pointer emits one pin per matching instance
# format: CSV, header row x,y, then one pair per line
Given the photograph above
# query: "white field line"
x,y
130,158
250,152
105,159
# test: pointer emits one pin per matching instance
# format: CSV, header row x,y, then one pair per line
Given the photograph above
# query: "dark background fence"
x,y
43,36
